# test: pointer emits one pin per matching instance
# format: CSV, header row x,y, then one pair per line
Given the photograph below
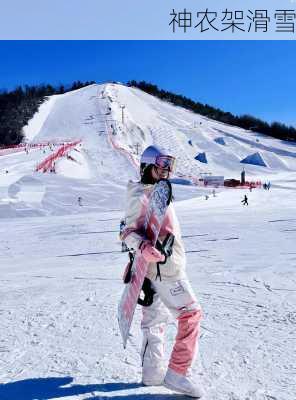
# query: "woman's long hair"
x,y
146,177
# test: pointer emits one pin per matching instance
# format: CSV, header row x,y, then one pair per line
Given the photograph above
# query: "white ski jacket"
x,y
133,234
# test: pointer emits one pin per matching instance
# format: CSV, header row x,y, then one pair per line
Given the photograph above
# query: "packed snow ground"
x,y
61,282
61,262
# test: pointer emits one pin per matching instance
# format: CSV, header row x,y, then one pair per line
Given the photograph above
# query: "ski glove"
x,y
150,253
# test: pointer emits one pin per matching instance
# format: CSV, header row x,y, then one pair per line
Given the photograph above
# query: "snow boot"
x,y
154,378
182,384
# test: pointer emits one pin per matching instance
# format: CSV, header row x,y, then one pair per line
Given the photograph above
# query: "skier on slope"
x,y
169,282
245,200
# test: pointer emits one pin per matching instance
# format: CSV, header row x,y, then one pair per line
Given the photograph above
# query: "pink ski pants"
x,y
176,298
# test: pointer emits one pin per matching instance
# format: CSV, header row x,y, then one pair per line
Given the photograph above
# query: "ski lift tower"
x,y
138,146
243,177
122,113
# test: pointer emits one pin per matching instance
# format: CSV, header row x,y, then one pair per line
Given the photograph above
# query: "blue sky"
x,y
254,77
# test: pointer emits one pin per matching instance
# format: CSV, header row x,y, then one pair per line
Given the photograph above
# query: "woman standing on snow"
x,y
173,292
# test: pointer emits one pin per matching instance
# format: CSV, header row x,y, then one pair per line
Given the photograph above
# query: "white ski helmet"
x,y
154,155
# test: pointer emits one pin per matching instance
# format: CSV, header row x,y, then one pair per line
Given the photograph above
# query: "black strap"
x,y
166,248
158,274
128,275
148,294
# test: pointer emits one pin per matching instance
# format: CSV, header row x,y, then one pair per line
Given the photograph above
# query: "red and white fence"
x,y
16,148
48,164
11,149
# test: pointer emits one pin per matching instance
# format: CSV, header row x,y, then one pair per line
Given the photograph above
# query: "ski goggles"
x,y
166,162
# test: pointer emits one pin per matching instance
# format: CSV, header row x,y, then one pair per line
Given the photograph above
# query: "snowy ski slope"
x,y
115,123
61,264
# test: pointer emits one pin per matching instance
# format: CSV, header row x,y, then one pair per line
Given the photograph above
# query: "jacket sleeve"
x,y
133,233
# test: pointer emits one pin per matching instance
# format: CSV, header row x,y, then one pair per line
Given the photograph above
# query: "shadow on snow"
x,y
52,388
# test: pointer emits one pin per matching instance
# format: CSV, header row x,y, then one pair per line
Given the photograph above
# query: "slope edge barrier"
x,y
47,165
